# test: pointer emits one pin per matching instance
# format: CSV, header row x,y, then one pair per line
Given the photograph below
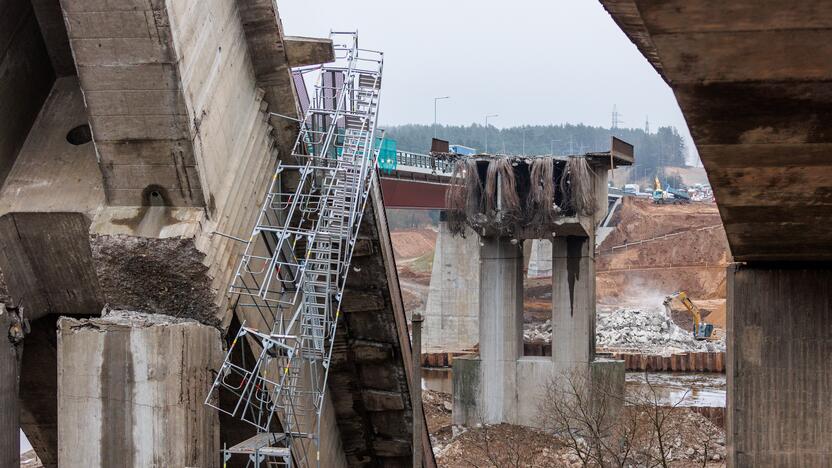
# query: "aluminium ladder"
x,y
291,277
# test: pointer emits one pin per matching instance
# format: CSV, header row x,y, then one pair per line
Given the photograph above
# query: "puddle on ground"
x,y
680,388
670,387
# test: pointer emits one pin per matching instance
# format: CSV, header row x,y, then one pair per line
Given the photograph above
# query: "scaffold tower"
x,y
290,280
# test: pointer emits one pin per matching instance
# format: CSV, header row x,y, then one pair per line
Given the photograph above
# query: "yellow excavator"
x,y
701,330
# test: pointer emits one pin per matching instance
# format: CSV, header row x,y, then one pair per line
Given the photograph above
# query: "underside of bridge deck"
x,y
754,81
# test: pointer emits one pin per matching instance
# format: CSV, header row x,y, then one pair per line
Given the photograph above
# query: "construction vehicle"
x,y
668,195
701,330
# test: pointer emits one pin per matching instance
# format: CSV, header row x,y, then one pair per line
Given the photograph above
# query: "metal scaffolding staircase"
x,y
290,280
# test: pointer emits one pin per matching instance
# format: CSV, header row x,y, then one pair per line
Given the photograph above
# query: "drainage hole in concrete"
x,y
79,135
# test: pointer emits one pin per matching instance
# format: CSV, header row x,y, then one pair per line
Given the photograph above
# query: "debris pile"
x,y
647,330
650,331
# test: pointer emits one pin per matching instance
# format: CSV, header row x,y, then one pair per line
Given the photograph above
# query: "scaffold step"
x,y
262,443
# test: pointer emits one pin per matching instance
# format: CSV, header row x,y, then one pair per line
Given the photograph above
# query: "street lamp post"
x,y
434,112
486,130
552,147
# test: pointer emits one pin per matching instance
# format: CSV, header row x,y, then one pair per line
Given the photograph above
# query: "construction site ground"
x,y
506,445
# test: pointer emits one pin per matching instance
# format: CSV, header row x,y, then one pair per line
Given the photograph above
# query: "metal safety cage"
x,y
291,277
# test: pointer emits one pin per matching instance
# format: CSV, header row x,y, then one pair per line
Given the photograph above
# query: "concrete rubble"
x,y
647,330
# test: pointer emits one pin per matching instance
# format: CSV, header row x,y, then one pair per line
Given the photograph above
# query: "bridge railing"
x,y
409,160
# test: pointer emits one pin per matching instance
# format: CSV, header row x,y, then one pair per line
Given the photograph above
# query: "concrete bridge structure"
x,y
754,81
136,137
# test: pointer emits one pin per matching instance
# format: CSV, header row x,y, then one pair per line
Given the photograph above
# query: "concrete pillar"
x,y
416,390
452,309
540,258
131,389
9,411
500,325
778,365
573,302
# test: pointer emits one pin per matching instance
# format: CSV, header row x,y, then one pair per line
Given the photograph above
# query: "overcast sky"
x,y
530,61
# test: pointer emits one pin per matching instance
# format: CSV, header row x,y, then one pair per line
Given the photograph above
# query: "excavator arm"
x,y
699,332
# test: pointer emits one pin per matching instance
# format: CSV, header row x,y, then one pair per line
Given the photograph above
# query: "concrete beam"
x,y
303,51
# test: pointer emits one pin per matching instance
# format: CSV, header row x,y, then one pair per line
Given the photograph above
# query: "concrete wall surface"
x,y
452,309
131,389
540,258
779,371
27,77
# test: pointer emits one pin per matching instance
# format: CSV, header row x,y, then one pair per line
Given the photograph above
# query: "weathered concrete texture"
x,y
131,390
372,357
305,51
264,35
164,276
39,389
779,371
27,77
51,174
500,325
466,390
753,80
502,385
47,263
453,306
127,66
573,297
46,201
51,21
9,411
540,258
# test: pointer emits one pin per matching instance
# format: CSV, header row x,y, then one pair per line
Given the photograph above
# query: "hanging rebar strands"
x,y
290,281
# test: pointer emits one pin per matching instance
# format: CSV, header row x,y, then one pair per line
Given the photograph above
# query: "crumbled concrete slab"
x,y
159,276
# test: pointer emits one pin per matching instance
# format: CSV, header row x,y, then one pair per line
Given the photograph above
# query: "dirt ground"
x,y
656,250
506,445
413,243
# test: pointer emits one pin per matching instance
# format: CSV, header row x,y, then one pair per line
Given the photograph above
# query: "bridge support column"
x,y
452,310
540,258
779,370
573,301
131,391
501,326
9,410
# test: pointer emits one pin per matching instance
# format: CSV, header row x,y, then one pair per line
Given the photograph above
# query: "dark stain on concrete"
x,y
574,246
117,398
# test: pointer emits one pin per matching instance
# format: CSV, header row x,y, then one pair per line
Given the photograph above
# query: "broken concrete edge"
x,y
161,276
304,51
121,318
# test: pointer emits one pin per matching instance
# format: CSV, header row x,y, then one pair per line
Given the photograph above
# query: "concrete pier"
x,y
573,301
131,389
502,385
501,325
779,371
540,258
9,412
452,310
